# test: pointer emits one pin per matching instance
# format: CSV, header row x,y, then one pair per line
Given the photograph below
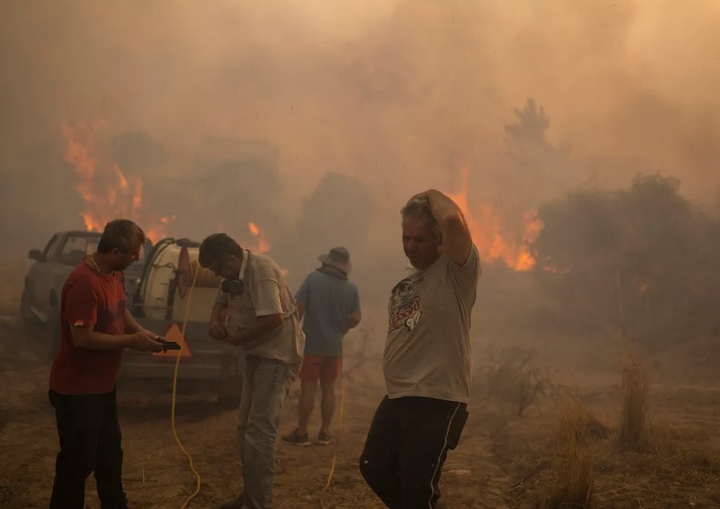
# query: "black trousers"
x,y
406,448
90,441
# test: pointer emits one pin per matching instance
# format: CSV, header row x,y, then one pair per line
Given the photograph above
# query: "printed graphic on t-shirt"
x,y
405,305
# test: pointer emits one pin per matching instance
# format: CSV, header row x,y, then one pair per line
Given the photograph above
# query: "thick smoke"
x,y
398,95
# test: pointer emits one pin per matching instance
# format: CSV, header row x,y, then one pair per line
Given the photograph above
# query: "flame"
x,y
262,244
490,235
107,192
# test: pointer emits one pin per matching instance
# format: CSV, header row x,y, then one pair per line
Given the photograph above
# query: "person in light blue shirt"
x,y
329,304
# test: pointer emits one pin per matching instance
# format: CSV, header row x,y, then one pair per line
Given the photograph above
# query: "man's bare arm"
x,y
131,325
456,238
354,319
89,339
301,310
262,325
216,310
217,328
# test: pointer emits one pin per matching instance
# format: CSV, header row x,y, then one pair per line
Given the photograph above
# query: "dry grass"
x,y
515,379
581,423
571,472
632,433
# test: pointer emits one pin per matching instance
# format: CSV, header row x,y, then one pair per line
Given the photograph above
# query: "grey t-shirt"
x,y
265,293
427,352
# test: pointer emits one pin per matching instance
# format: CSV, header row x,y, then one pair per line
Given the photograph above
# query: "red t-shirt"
x,y
89,299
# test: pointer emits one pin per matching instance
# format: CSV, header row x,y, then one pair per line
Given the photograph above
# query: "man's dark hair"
x,y
120,234
216,247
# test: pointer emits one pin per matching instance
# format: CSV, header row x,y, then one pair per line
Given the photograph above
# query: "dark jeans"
x,y
90,441
406,448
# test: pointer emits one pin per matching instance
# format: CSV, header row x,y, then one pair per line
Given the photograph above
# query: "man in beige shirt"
x,y
262,320
427,361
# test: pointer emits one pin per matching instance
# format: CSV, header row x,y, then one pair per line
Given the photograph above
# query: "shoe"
x,y
235,503
295,439
324,439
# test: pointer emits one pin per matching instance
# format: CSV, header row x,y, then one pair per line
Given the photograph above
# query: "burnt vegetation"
x,y
640,261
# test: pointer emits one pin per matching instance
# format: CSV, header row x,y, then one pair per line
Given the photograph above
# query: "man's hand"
x,y
425,195
217,331
456,237
260,326
145,341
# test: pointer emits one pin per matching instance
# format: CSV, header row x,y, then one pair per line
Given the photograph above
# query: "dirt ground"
x,y
503,461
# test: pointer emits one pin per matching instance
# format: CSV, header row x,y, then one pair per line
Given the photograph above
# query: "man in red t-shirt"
x,y
95,328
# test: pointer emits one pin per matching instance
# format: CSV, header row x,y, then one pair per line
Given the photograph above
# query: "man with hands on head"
x,y
427,360
95,329
262,319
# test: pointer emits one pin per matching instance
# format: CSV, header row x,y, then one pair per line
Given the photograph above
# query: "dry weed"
x,y
632,433
577,420
571,472
514,378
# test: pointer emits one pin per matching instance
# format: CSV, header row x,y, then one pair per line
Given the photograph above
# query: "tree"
x,y
640,260
337,213
531,124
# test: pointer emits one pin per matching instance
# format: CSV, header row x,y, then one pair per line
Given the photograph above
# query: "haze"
x,y
396,94
561,127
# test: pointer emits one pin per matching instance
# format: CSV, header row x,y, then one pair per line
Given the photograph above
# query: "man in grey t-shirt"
x,y
262,319
427,361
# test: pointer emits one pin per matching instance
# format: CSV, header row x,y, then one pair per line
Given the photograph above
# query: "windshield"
x,y
76,248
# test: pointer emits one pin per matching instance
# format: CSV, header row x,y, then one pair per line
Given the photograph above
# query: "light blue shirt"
x,y
329,301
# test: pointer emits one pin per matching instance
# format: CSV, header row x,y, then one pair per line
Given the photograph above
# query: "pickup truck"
x,y
40,301
159,296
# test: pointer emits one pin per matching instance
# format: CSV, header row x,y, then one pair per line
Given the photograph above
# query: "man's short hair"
x,y
216,247
120,234
420,207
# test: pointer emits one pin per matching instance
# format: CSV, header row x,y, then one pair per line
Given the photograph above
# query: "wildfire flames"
x,y
107,192
488,230
262,246
261,243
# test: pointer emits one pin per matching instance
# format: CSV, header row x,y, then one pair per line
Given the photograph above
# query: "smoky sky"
x,y
397,94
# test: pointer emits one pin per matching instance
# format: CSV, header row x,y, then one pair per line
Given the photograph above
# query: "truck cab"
x,y
167,292
44,280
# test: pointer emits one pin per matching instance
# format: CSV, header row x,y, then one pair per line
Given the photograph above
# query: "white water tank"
x,y
161,276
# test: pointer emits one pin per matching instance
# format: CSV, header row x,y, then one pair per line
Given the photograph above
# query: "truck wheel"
x,y
26,313
52,332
